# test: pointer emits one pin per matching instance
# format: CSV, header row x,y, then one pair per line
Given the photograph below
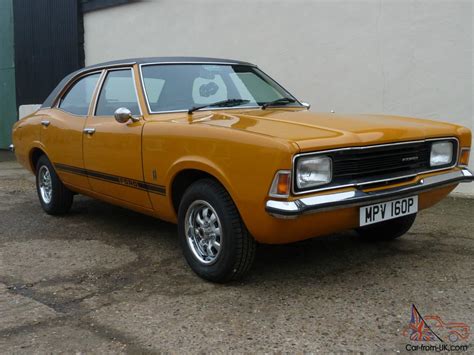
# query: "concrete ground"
x,y
104,279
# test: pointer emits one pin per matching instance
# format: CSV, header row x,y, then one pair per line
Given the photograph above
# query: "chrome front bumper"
x,y
292,209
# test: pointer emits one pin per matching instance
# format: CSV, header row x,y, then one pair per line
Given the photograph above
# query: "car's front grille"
x,y
364,165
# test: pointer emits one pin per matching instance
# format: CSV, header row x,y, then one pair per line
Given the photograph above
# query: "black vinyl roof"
x,y
172,60
178,60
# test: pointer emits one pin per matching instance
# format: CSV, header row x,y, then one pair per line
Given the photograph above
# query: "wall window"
x,y
77,100
117,91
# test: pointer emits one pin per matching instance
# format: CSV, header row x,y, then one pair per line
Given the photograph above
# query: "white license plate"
x,y
388,210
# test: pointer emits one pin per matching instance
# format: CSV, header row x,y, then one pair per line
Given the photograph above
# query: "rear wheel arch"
x,y
55,198
35,154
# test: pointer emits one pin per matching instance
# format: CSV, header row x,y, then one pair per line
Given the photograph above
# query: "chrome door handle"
x,y
89,131
45,123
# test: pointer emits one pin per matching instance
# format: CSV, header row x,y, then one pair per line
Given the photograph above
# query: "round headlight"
x,y
313,171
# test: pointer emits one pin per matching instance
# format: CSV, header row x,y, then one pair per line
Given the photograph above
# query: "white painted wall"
x,y
407,57
25,110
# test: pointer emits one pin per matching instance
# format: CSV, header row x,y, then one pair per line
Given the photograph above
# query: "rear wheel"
x,y
55,198
213,237
387,230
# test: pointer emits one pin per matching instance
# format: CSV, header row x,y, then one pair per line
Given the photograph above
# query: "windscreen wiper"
x,y
223,103
282,101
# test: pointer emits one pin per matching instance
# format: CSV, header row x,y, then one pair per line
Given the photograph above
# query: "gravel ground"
x,y
104,279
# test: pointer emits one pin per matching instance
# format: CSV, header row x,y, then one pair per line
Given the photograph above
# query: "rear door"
x,y
62,130
112,150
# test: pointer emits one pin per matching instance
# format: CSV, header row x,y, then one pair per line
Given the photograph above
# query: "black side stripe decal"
x,y
119,180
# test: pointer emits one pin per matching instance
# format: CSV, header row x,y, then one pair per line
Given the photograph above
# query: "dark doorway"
x,y
49,44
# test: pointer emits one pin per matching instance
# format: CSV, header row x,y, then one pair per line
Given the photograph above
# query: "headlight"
x,y
313,171
441,153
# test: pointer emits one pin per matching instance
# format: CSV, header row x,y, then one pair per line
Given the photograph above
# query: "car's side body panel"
x,y
26,138
113,159
244,164
62,136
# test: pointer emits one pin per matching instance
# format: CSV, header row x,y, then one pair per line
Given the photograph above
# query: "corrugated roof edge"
x,y
52,96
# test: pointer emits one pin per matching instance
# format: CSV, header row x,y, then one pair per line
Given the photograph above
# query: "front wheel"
x,y
387,230
55,198
213,237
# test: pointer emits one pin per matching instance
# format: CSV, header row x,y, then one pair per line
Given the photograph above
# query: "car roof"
x,y
172,60
131,61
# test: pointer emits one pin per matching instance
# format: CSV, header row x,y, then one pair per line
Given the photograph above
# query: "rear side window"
x,y
118,91
77,100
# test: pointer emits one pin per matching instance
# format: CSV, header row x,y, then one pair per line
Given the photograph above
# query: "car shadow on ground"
x,y
313,259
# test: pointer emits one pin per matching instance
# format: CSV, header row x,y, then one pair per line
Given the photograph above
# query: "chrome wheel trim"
x,y
45,184
203,231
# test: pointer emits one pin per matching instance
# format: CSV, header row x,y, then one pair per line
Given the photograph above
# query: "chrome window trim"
x,y
372,181
289,93
69,86
83,72
97,93
103,78
142,82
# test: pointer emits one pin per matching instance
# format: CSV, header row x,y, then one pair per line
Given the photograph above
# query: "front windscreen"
x,y
174,87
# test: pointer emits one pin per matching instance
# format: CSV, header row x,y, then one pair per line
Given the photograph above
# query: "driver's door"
x,y
112,150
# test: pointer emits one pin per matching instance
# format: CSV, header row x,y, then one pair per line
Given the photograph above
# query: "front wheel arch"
x,y
183,180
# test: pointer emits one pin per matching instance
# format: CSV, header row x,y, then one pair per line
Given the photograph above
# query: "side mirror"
x,y
123,115
305,104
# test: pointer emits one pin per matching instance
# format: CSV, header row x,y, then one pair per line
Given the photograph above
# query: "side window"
x,y
77,100
117,91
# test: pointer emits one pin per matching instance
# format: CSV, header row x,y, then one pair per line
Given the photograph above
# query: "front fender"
x,y
244,163
200,163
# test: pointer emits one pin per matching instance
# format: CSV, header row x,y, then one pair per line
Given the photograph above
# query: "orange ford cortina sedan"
x,y
233,158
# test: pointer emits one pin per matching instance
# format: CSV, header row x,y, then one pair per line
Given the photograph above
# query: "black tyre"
x,y
387,230
54,197
213,237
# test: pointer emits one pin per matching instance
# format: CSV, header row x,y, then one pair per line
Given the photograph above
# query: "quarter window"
x,y
77,100
118,91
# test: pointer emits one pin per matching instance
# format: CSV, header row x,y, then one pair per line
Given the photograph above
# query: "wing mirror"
x,y
305,104
123,115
